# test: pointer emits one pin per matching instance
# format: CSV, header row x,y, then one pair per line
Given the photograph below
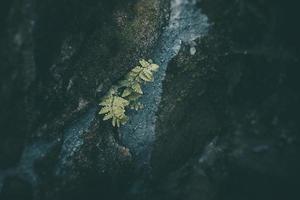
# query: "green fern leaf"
x,y
107,116
153,67
104,110
146,75
127,93
144,63
137,88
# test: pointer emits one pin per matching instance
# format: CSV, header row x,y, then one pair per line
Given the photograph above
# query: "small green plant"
x,y
126,93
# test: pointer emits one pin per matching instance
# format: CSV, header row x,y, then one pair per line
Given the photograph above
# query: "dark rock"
x,y
227,124
239,89
58,58
15,188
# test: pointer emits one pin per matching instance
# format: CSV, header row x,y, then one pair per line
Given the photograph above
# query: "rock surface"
x,y
220,121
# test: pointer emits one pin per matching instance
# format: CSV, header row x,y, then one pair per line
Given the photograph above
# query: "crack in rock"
x,y
73,139
71,143
25,168
186,24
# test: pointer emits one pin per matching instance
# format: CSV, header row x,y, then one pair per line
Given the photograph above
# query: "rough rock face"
x,y
226,125
57,59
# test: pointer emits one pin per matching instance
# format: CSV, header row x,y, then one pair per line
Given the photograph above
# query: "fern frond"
x,y
114,108
126,93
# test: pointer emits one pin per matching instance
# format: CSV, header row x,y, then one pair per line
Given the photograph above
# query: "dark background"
x,y
233,133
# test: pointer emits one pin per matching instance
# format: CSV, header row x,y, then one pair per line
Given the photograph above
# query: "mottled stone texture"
x,y
227,126
57,58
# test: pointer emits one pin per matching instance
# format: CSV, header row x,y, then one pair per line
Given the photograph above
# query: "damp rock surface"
x,y
186,24
219,122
